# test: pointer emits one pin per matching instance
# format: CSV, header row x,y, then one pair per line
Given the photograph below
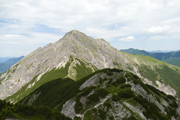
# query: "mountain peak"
x,y
73,31
74,35
74,50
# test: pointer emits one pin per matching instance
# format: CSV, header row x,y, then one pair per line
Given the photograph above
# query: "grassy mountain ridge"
x,y
170,57
105,94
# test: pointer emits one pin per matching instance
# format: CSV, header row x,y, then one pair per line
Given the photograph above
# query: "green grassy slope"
x,y
173,61
82,70
155,70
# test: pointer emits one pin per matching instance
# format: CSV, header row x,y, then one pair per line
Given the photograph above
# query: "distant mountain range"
x,y
88,79
8,63
169,57
3,59
162,51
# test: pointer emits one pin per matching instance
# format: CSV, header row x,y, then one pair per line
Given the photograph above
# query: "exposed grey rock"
x,y
68,108
166,88
120,111
136,110
90,82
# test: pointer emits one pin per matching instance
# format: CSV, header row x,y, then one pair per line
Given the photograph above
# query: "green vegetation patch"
x,y
87,90
147,72
78,106
126,93
102,114
91,114
95,97
108,105
151,110
20,111
83,69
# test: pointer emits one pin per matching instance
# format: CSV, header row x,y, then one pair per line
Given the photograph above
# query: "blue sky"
x,y
150,25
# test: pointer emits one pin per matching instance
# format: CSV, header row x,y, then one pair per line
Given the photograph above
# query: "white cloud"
x,y
81,14
159,29
93,17
12,35
155,38
127,39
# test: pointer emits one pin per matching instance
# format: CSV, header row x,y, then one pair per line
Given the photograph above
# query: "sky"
x,y
148,25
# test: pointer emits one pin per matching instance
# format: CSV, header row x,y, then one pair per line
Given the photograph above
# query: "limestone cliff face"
x,y
96,52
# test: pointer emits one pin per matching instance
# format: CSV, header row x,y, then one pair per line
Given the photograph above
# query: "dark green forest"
x,y
8,110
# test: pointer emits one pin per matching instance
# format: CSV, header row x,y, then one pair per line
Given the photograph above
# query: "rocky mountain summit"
x,y
77,55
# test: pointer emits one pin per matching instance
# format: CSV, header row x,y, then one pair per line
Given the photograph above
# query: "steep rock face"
x,y
94,54
106,94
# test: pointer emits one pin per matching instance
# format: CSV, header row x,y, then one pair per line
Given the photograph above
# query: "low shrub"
x,y
115,98
121,80
77,118
87,90
95,97
114,83
102,92
109,73
126,93
111,117
110,81
125,86
102,114
108,105
92,98
78,106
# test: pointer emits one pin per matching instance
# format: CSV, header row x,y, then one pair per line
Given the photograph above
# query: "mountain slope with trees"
x,y
105,94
